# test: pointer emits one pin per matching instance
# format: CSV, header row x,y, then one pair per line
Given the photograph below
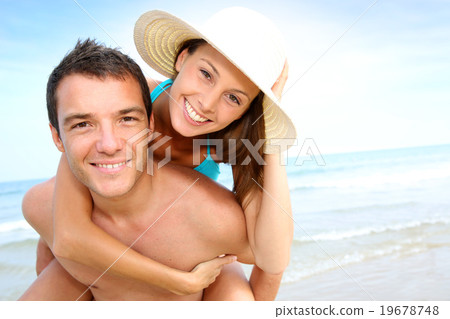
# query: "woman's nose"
x,y
209,101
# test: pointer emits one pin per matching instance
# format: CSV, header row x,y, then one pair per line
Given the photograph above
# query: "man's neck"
x,y
131,204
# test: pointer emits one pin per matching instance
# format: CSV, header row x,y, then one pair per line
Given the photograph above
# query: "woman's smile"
x,y
211,90
193,115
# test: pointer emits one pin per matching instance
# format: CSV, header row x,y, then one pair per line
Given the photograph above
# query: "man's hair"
x,y
93,59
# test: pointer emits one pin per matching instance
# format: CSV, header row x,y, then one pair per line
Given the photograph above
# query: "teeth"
x,y
192,113
110,165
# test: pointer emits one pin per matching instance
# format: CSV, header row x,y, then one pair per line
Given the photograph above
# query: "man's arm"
x,y
230,285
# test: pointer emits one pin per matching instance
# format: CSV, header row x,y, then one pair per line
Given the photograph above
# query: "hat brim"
x,y
158,36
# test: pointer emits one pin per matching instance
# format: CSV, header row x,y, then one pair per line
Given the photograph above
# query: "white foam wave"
x,y
340,235
408,178
15,225
299,270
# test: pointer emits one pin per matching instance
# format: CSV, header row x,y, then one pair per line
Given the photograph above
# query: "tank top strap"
x,y
160,88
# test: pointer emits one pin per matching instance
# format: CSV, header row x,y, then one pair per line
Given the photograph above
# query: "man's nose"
x,y
109,142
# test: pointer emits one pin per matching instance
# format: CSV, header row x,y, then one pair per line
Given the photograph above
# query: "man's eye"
x,y
80,125
206,74
128,119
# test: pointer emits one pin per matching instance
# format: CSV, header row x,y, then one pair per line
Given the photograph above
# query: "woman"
x,y
221,85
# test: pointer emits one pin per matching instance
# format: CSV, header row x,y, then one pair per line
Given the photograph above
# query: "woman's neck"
x,y
181,146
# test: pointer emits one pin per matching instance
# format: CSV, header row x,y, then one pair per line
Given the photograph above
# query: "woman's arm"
x,y
78,239
268,212
268,216
264,286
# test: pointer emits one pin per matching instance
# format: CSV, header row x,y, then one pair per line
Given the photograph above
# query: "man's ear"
x,y
181,57
56,138
151,124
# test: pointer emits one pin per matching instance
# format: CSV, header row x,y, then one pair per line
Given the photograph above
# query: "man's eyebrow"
x,y
77,116
131,110
212,66
86,116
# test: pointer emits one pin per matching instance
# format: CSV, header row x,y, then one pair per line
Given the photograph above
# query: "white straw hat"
x,y
246,38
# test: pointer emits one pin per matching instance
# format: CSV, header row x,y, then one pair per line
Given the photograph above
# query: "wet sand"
x,y
422,276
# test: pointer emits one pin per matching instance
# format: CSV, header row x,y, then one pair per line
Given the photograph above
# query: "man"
x,y
98,109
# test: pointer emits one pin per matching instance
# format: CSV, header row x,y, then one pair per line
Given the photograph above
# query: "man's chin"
x,y
110,193
111,190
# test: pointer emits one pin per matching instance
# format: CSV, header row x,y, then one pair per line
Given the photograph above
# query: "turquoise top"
x,y
208,167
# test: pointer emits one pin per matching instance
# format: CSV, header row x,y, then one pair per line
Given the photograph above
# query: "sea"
x,y
348,209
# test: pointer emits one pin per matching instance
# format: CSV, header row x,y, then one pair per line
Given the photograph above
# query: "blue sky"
x,y
384,84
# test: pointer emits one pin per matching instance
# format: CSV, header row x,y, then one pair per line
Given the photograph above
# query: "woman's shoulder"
x,y
152,83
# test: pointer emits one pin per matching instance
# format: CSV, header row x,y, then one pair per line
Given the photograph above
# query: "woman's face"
x,y
209,92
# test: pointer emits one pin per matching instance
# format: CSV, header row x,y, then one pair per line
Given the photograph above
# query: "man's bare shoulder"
x,y
213,195
37,206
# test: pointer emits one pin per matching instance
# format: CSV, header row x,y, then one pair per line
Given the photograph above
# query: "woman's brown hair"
x,y
251,127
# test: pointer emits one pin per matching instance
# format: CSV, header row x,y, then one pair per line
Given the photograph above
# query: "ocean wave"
x,y
408,178
24,243
299,269
14,226
13,269
346,234
12,192
374,207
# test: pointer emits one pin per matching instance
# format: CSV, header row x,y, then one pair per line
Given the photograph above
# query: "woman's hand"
x,y
278,87
204,274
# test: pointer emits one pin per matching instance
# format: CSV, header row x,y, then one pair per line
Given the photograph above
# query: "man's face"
x,y
96,118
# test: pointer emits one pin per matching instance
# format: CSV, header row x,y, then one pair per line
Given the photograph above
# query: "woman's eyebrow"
x,y
212,66
217,72
242,92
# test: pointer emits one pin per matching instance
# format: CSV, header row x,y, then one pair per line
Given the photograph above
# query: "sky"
x,y
362,76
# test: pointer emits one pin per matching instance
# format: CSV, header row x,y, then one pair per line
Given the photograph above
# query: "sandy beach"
x,y
423,276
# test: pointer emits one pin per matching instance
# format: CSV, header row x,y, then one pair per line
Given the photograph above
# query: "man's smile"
x,y
110,167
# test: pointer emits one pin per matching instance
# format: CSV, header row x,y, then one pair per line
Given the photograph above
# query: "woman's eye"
x,y
206,74
234,99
